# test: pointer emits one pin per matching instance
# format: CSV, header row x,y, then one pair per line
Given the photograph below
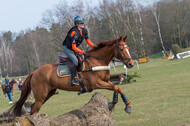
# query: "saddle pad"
x,y
63,70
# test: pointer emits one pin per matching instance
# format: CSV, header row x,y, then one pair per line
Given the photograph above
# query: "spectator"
x,y
8,89
20,84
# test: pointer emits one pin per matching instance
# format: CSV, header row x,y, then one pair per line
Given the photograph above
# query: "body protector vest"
x,y
77,37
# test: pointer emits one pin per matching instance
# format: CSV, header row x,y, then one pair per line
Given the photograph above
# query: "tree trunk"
x,y
158,26
94,113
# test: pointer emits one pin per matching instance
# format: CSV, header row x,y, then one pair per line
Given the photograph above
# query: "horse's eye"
x,y
121,49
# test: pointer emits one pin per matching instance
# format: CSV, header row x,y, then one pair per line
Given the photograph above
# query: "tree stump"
x,y
94,113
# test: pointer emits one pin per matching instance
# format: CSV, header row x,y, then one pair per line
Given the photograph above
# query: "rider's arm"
x,y
90,43
74,46
87,38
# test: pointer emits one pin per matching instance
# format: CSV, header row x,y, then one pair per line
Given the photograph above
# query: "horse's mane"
x,y
104,43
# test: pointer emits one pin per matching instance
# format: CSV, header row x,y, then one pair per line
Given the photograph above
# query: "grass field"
x,y
160,97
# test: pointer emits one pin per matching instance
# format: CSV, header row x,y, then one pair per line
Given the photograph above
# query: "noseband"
x,y
119,54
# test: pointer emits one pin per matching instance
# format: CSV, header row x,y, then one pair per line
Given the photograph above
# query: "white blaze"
x,y
128,53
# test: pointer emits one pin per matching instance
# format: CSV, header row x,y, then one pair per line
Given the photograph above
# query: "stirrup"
x,y
74,81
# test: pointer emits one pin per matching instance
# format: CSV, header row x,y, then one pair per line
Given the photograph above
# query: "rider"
x,y
74,38
7,80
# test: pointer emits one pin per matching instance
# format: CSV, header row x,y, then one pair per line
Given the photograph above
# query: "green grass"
x,y
160,97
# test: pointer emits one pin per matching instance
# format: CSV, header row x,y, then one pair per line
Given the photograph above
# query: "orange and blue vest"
x,y
75,37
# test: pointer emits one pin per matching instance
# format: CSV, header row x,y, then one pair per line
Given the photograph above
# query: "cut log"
x,y
94,113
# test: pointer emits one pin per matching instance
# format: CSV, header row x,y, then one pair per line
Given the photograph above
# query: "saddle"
x,y
65,65
64,69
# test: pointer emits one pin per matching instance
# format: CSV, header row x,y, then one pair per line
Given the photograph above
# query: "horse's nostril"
x,y
130,64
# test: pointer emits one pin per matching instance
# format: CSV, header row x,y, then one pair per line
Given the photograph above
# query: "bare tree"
x,y
6,56
155,11
141,28
33,39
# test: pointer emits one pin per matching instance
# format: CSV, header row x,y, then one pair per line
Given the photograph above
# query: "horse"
x,y
12,82
44,81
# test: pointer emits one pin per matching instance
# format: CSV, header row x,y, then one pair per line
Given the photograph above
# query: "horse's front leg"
x,y
124,98
115,100
5,95
116,89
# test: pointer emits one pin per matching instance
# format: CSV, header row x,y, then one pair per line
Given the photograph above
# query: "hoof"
x,y
111,105
128,109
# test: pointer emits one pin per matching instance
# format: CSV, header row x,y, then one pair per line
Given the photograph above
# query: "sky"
x,y
17,15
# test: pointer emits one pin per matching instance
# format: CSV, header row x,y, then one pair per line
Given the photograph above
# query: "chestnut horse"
x,y
44,81
13,81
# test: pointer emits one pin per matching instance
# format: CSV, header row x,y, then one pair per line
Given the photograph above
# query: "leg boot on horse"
x,y
125,100
116,89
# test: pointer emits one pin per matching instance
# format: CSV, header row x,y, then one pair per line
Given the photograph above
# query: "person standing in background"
x,y
8,89
20,84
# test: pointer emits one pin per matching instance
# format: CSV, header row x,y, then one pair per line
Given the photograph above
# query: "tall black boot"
x,y
74,80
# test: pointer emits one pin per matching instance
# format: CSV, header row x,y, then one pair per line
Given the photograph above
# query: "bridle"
x,y
119,54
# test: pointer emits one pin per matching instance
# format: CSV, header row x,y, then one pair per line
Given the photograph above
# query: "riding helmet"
x,y
79,19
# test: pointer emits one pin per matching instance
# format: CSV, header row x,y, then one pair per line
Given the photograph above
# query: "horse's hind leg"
x,y
3,89
51,93
35,107
39,100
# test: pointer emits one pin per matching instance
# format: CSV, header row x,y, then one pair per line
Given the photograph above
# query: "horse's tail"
x,y
26,89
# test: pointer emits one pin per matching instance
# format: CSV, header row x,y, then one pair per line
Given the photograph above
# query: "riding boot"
x,y
74,80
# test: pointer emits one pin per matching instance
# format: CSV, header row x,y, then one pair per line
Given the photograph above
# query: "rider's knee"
x,y
76,63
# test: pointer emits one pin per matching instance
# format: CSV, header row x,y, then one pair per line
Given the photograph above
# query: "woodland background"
x,y
150,29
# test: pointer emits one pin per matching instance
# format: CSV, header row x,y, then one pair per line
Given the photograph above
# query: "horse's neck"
x,y
104,54
12,82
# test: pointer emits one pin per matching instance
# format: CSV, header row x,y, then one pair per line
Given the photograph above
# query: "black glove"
x,y
86,54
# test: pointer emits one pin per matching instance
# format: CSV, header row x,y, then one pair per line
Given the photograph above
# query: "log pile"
x,y
94,113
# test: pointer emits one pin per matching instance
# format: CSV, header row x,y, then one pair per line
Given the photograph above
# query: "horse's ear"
x,y
125,38
120,38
